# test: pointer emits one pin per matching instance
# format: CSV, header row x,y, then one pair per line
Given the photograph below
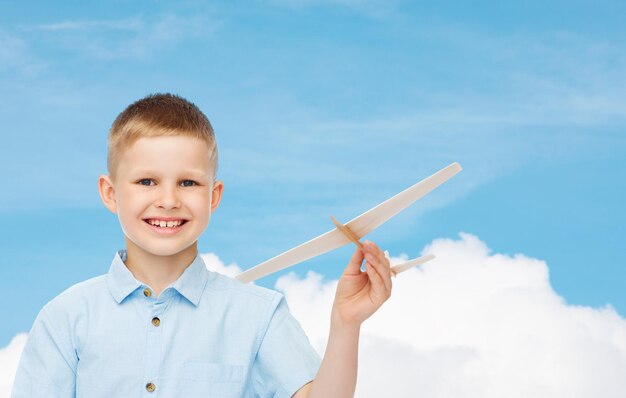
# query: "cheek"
x,y
129,205
202,206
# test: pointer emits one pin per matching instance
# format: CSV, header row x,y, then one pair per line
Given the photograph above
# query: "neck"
x,y
158,272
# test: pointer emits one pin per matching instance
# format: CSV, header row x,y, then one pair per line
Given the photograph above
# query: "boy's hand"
x,y
359,294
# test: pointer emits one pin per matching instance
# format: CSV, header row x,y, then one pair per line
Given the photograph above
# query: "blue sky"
x,y
324,107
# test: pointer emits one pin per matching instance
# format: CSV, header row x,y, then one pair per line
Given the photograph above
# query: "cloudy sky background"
x,y
330,107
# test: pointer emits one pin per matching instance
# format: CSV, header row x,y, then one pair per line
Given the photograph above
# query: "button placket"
x,y
154,342
158,307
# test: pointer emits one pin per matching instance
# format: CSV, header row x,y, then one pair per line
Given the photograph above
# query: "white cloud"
x,y
122,24
371,8
468,324
128,38
475,324
11,50
9,358
213,263
15,56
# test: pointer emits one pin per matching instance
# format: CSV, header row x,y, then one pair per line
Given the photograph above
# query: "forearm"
x,y
359,294
338,370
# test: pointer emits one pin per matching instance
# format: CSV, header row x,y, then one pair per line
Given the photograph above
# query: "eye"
x,y
145,181
189,183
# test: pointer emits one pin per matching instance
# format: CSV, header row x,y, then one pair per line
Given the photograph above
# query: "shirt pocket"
x,y
212,372
211,379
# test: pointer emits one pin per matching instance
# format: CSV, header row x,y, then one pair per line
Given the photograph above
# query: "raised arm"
x,y
359,294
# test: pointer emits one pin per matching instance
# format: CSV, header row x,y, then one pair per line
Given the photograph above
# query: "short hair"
x,y
158,115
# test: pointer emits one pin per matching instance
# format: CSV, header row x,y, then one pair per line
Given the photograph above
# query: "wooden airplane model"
x,y
353,230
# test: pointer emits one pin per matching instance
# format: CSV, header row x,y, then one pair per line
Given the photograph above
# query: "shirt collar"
x,y
190,284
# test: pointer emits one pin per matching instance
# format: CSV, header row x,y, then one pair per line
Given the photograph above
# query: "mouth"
x,y
167,226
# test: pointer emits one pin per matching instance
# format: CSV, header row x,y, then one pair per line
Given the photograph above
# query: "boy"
x,y
159,323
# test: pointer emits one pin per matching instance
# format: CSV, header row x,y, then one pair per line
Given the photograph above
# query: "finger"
x,y
379,291
377,251
354,265
384,272
377,258
371,247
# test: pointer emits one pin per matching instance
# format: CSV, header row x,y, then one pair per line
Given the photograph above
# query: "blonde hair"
x,y
159,115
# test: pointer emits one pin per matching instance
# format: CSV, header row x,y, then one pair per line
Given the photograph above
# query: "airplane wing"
x,y
316,246
360,225
396,269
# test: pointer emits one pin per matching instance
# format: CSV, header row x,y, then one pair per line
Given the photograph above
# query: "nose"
x,y
168,198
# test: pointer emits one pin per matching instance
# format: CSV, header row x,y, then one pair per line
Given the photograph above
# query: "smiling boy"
x,y
159,323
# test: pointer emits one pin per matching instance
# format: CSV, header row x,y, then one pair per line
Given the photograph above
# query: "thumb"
x,y
354,266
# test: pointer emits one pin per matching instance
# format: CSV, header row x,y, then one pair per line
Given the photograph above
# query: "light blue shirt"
x,y
206,335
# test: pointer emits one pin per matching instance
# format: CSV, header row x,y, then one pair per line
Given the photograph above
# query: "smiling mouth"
x,y
165,224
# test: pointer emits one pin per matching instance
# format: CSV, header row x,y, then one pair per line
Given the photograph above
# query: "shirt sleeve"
x,y
47,367
286,360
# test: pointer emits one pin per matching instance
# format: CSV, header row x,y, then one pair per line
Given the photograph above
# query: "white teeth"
x,y
164,224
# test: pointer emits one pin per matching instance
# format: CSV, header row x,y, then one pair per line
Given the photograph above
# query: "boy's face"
x,y
163,178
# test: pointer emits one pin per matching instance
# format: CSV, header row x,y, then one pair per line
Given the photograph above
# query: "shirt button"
x,y
150,387
147,292
156,321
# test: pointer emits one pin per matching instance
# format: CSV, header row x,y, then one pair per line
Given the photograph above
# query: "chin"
x,y
162,251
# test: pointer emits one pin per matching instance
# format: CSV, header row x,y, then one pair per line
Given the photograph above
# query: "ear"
x,y
216,195
107,193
